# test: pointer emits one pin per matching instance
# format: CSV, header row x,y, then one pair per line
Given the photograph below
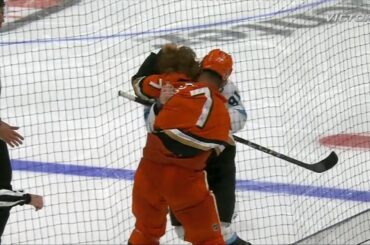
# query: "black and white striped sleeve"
x,y
10,198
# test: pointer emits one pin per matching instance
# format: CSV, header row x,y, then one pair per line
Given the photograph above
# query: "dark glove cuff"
x,y
157,107
27,198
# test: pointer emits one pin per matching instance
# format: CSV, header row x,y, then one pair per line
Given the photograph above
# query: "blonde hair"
x,y
178,59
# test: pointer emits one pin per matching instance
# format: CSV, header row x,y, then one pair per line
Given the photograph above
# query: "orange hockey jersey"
x,y
191,125
196,116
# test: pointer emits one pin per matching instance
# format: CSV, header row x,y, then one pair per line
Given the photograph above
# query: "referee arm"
x,y
10,199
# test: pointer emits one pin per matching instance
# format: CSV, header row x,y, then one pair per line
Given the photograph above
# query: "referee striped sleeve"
x,y
10,198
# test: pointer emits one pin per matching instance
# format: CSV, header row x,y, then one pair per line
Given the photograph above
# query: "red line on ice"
x,y
347,140
38,4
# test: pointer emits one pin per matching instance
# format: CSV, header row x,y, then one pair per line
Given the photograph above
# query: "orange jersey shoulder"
x,y
150,87
195,113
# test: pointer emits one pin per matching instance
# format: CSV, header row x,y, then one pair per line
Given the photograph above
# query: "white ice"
x,y
63,94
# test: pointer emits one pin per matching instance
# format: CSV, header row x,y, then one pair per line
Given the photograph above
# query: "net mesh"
x,y
300,66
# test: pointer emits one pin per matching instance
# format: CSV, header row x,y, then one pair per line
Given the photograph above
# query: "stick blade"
x,y
325,164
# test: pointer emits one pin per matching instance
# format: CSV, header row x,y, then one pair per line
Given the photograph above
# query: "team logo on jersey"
x,y
22,12
216,227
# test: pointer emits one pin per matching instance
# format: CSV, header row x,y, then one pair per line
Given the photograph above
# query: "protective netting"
x,y
302,68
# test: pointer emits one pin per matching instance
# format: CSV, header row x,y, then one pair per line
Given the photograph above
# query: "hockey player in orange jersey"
x,y
190,126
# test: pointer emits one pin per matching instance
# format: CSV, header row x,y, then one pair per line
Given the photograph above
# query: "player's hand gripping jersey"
x,y
149,87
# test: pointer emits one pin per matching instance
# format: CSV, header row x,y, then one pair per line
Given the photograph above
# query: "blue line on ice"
x,y
171,30
242,185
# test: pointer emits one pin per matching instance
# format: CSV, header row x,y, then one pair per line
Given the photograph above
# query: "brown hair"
x,y
175,59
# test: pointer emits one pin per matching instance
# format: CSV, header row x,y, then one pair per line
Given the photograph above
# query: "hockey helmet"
x,y
218,61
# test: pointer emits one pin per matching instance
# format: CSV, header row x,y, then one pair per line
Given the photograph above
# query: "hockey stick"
x,y
134,98
318,167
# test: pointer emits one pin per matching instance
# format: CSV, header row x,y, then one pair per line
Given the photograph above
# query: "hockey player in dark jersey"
x,y
220,169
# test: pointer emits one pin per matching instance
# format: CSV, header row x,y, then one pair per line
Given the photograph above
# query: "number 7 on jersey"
x,y
207,107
